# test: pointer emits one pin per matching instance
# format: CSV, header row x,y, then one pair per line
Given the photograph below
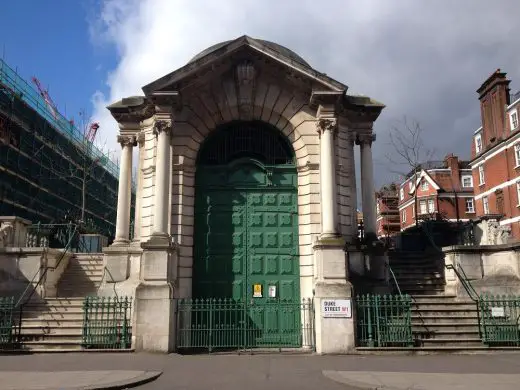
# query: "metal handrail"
x,y
395,280
463,278
19,304
44,273
107,271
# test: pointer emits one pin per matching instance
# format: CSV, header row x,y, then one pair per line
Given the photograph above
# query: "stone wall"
x,y
490,268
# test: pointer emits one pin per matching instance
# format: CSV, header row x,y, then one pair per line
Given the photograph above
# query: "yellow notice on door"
x,y
257,291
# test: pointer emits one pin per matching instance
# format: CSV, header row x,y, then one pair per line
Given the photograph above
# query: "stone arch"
x,y
197,127
194,124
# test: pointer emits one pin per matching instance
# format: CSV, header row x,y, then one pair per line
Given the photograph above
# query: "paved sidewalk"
x,y
424,381
262,372
75,380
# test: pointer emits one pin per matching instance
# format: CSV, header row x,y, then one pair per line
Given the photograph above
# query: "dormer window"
x,y
424,185
513,119
478,143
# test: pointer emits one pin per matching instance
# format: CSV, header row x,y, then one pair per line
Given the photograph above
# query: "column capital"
x,y
163,125
126,140
327,124
365,139
351,137
140,138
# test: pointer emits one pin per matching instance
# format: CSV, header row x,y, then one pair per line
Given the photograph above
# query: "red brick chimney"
x,y
494,96
452,162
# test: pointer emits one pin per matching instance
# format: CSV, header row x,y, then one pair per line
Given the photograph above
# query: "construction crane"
x,y
92,131
45,95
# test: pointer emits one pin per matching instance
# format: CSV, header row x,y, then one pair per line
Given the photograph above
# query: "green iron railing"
x,y
384,320
227,324
6,320
500,316
107,322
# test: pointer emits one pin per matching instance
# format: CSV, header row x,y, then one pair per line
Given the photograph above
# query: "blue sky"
x,y
51,40
423,59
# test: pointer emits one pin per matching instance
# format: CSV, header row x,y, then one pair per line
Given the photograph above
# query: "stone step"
x,y
436,319
51,322
46,316
448,335
61,343
458,342
442,306
48,331
418,326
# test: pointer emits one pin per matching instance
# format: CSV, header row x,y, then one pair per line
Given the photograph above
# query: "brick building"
x,y
444,191
387,212
495,153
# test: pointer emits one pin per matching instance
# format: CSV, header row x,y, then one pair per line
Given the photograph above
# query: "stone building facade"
x,y
495,153
245,176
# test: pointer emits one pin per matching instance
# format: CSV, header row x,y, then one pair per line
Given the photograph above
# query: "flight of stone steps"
x,y
439,322
57,323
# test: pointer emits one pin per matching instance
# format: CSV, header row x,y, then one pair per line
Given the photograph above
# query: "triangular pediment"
x,y
219,56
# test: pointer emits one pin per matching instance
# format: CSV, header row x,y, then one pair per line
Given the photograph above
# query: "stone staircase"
x,y
439,322
418,273
56,324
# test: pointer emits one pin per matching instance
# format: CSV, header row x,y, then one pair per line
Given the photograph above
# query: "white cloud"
x,y
423,59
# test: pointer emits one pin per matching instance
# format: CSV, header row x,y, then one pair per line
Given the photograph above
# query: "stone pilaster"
x,y
139,191
124,192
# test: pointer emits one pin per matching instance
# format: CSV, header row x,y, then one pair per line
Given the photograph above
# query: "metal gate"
x,y
227,324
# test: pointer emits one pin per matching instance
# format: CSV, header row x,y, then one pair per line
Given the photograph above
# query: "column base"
x,y
116,260
155,317
334,335
159,259
120,242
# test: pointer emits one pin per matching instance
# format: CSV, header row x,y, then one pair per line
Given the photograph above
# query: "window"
x,y
517,155
485,204
518,193
481,174
422,207
424,185
378,209
513,119
403,216
401,194
431,206
478,143
470,205
467,181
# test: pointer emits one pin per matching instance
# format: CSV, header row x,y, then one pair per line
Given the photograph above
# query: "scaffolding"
x,y
38,146
33,98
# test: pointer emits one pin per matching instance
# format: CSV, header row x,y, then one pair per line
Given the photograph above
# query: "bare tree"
x,y
82,157
409,152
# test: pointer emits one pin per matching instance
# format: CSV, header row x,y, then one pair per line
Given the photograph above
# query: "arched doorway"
x,y
246,229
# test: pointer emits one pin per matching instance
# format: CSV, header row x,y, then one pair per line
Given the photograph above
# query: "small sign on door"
x,y
272,291
257,291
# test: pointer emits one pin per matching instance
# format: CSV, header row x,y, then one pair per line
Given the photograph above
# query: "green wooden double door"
x,y
246,249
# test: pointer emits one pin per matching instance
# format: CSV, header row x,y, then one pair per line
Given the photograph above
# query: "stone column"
x,y
367,182
124,192
353,185
327,128
162,176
